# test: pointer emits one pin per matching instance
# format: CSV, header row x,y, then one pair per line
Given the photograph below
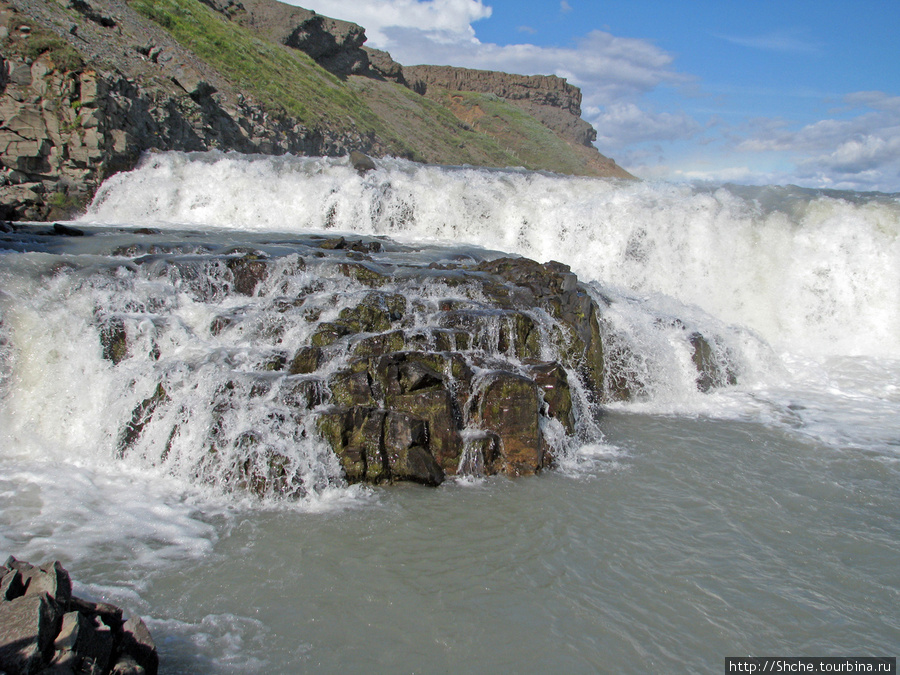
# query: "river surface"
x,y
757,518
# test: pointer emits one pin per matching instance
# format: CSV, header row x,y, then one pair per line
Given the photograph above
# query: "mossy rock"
x,y
551,377
113,339
436,406
375,313
405,447
366,274
328,333
509,406
306,360
378,345
519,336
378,446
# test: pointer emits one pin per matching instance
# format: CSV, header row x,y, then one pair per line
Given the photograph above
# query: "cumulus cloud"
x,y
861,150
451,19
624,123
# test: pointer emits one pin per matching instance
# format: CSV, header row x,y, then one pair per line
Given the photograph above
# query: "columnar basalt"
x,y
46,629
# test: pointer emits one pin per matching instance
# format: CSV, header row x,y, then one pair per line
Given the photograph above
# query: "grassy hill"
x,y
457,128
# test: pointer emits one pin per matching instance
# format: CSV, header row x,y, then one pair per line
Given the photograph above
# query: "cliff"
x,y
550,99
89,85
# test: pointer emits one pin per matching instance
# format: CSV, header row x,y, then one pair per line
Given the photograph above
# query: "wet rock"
x,y
454,367
328,333
140,416
375,345
436,406
43,628
361,162
67,231
247,271
519,336
379,446
356,435
552,379
509,405
405,447
374,314
366,274
711,372
480,454
113,339
304,393
306,360
352,387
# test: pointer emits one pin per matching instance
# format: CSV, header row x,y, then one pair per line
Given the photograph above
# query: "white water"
x,y
813,273
757,517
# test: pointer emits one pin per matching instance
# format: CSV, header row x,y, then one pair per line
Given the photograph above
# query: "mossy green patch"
x,y
38,42
276,76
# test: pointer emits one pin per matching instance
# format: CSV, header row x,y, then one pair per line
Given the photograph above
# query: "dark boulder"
x,y
44,628
509,405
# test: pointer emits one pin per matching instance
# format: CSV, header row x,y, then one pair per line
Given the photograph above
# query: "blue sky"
x,y
787,91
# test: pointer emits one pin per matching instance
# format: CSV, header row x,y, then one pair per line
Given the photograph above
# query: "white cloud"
x,y
861,151
564,7
442,17
859,155
623,123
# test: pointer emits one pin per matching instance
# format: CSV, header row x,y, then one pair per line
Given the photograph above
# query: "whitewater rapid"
x,y
812,272
758,516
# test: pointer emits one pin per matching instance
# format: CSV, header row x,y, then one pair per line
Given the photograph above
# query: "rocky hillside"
x,y
89,85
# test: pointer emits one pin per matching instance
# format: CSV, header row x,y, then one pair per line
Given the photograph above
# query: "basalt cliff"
x,y
88,86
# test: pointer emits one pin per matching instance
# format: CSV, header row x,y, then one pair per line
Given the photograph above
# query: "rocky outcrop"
x,y
314,361
64,126
46,629
551,99
88,86
335,45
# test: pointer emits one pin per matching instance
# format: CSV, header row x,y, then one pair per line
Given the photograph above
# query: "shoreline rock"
x,y
44,628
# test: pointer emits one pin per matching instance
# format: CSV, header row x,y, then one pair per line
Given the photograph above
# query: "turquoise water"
x,y
760,518
688,541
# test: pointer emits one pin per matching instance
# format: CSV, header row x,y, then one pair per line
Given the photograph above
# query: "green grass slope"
x,y
409,125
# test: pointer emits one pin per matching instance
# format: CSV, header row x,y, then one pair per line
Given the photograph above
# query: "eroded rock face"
x,y
68,120
406,373
551,99
43,626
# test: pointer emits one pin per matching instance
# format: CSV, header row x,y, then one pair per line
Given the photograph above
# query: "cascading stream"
x,y
812,272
